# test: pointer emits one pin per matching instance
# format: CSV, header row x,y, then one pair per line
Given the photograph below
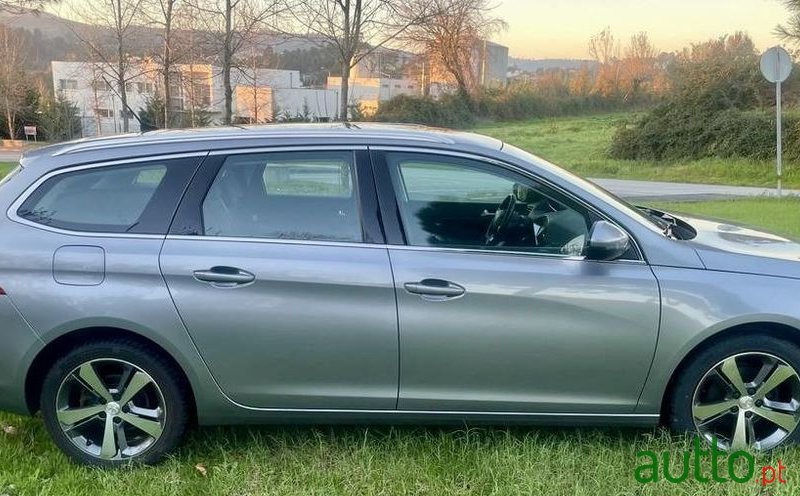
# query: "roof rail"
x,y
248,134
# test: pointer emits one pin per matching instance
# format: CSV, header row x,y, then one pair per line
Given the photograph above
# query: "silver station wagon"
x,y
349,273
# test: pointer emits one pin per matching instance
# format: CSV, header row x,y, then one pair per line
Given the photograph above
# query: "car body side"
x,y
697,304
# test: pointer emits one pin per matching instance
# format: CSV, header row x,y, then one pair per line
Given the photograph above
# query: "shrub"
x,y
716,109
449,111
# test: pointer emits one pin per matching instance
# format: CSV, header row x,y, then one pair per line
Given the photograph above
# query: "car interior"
x,y
283,200
108,200
526,219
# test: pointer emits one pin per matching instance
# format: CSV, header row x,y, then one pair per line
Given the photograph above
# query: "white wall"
x,y
79,76
321,103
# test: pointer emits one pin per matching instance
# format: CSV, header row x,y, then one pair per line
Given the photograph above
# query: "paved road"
x,y
653,190
9,155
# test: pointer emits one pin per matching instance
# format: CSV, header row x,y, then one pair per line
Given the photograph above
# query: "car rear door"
x,y
519,326
276,264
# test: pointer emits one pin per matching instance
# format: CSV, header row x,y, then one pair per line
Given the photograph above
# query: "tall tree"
x,y
790,31
235,25
355,29
639,64
110,47
164,13
604,49
12,78
451,34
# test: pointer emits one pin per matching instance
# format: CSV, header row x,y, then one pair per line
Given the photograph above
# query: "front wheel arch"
x,y
773,329
65,343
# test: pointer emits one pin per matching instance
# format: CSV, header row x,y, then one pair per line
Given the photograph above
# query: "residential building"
x,y
193,88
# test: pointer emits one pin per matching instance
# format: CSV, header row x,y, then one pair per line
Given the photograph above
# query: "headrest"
x,y
526,194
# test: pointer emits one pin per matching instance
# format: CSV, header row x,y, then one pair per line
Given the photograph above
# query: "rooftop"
x,y
271,135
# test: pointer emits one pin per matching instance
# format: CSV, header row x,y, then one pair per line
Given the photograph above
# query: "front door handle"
x,y
224,276
435,287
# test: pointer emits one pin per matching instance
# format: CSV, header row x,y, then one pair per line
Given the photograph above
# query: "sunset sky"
x,y
561,28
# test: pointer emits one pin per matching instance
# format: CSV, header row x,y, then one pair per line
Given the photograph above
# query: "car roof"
x,y
163,142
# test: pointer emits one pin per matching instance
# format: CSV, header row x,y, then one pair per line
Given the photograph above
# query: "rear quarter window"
x,y
139,198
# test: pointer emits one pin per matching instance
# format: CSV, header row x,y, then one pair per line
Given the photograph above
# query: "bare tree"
x,y
639,64
12,78
604,49
233,25
163,13
355,29
451,35
110,45
23,6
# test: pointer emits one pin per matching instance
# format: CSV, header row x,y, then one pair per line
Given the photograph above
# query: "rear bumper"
x,y
18,346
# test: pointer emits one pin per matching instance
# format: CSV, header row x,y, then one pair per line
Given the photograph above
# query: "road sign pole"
x,y
776,66
779,158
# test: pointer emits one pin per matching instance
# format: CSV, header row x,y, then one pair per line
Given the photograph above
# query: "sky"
x,y
562,28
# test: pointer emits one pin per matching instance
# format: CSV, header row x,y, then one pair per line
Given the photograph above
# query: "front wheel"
x,y
114,402
743,392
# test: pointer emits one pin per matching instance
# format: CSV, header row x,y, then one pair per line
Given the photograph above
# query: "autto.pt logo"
x,y
706,465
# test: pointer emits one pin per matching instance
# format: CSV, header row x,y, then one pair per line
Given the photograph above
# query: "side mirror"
x,y
606,242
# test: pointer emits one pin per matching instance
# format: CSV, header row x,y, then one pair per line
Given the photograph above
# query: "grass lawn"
x,y
580,143
780,216
5,167
392,460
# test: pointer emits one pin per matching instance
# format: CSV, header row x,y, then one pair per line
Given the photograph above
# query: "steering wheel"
x,y
503,214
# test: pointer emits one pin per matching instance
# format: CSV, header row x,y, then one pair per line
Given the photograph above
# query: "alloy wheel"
x,y
110,409
748,401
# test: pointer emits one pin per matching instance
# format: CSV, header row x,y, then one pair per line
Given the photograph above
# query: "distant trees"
x,y
449,33
354,28
58,119
13,81
110,47
164,13
232,26
712,108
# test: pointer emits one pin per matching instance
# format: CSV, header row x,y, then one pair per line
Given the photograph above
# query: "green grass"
x,y
391,460
5,167
781,216
580,143
361,460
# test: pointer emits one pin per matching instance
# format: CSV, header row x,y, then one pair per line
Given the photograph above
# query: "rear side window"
x,y
293,195
138,198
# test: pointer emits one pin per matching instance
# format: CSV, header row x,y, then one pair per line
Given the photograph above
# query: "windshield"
x,y
659,220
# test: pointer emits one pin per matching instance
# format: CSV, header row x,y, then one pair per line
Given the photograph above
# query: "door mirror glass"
x,y
607,241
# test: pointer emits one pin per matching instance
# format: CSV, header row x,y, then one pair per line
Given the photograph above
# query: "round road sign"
x,y
776,65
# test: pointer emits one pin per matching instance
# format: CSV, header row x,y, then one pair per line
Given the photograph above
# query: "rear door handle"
x,y
224,276
435,287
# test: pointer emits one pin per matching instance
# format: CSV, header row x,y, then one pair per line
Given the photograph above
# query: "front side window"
x,y
461,203
138,198
294,195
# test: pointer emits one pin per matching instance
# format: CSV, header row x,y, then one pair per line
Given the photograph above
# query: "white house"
x,y
368,92
260,95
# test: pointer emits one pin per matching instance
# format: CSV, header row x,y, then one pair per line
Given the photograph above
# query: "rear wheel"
x,y
744,392
114,402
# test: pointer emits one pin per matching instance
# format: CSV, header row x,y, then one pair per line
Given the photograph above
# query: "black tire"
x,y
163,373
679,411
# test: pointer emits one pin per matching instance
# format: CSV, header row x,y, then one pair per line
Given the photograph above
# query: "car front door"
x,y
499,310
276,265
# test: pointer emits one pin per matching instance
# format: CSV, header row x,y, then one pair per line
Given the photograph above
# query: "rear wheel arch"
x,y
63,344
772,329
